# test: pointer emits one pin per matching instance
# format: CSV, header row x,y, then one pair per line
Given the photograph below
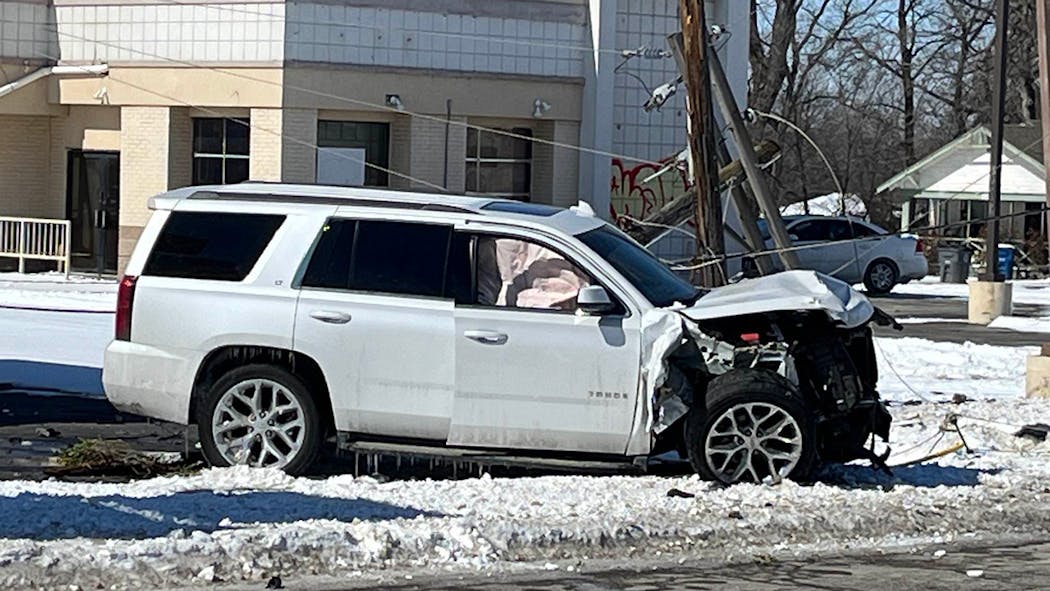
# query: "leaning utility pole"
x,y
991,250
748,159
695,53
1042,17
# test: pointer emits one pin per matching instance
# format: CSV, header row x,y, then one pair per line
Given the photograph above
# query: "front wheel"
x,y
753,427
261,416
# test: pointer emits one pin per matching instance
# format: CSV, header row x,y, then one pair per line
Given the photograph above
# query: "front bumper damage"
x,y
811,329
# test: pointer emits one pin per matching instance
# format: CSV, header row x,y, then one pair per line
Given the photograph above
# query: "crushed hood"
x,y
789,290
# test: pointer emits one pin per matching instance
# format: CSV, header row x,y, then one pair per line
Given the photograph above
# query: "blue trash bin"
x,y
1006,261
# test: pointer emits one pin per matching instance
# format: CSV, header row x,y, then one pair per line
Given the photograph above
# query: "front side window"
x,y
499,165
207,245
516,273
379,256
220,150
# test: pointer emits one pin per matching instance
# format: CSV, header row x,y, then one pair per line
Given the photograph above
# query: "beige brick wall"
x,y
25,168
555,170
265,145
417,149
298,155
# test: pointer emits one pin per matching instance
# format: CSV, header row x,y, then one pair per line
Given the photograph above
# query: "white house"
x,y
951,185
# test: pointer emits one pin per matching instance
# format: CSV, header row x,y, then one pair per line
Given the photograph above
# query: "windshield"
x,y
657,283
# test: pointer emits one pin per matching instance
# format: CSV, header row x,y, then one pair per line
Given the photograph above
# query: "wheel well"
x,y
220,361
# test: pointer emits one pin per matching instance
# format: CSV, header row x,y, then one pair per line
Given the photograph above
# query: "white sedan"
x,y
854,251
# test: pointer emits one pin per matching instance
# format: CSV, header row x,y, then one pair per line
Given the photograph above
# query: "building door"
x,y
93,207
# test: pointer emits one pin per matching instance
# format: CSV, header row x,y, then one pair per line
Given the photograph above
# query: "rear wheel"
x,y
753,427
261,416
880,277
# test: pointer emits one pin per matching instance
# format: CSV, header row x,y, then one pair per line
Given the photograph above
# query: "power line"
x,y
257,127
362,103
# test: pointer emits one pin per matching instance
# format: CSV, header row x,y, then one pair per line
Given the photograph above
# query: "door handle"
x,y
486,337
330,316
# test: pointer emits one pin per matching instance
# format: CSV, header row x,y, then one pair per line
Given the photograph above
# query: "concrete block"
x,y
1037,376
990,300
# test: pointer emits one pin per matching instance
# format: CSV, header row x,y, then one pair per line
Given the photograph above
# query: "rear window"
x,y
207,245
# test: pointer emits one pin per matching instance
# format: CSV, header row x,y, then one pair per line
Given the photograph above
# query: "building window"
x,y
499,165
343,147
220,150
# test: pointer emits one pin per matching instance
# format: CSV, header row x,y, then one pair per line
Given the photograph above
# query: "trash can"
x,y
954,264
1007,254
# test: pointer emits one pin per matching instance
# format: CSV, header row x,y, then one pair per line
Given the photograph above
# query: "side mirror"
x,y
594,300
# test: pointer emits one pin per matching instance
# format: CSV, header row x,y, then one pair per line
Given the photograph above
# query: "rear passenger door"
x,y
373,313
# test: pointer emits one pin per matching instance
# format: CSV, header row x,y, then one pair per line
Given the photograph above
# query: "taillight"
x,y
125,299
919,247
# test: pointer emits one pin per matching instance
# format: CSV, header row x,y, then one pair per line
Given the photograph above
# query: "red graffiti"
x,y
635,198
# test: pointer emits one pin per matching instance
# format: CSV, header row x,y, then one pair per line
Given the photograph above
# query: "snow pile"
x,y
830,204
250,524
912,368
1025,291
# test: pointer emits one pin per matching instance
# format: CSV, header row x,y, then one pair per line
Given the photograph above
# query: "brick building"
x,y
104,103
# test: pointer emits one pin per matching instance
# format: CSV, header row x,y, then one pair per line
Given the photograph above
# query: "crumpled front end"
x,y
809,328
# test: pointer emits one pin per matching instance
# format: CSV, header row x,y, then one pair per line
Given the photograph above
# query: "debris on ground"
x,y
274,583
1037,432
680,494
46,432
974,573
111,457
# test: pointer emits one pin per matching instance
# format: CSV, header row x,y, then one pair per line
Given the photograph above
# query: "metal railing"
x,y
35,239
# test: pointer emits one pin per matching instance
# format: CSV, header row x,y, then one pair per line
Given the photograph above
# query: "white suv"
x,y
275,317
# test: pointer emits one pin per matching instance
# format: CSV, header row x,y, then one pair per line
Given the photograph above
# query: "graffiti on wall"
x,y
631,195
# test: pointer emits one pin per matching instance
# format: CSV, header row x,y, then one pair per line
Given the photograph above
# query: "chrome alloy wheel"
x,y
753,441
259,423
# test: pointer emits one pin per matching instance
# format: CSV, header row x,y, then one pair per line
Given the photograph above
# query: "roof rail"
x,y
326,200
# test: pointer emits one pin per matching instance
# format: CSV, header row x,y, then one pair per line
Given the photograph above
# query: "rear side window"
x,y
207,245
380,256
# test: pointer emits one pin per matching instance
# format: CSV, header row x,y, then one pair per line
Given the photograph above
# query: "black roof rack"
x,y
326,200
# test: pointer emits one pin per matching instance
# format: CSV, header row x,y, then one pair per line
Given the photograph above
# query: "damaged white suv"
x,y
276,317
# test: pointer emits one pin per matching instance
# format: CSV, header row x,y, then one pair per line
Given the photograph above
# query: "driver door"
x,y
531,372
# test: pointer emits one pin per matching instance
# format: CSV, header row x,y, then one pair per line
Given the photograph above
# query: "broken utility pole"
x,y
991,247
1042,17
695,53
759,189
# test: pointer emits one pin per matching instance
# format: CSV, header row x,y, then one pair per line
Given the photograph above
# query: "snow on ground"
x,y
1022,324
52,291
247,524
916,369
250,524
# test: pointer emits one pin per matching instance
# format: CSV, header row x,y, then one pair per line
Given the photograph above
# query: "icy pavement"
x,y
241,524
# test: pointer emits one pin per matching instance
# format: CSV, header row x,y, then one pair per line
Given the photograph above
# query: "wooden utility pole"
x,y
1042,17
695,53
727,104
991,250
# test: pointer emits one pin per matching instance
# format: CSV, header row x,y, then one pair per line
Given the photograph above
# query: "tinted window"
x,y
223,246
657,283
330,265
839,230
398,257
460,282
810,230
864,230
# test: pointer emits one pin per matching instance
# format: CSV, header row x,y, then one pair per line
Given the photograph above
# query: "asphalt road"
x,y
992,568
916,306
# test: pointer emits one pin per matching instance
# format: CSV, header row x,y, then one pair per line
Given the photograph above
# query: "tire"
x,y
881,276
768,400
289,439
